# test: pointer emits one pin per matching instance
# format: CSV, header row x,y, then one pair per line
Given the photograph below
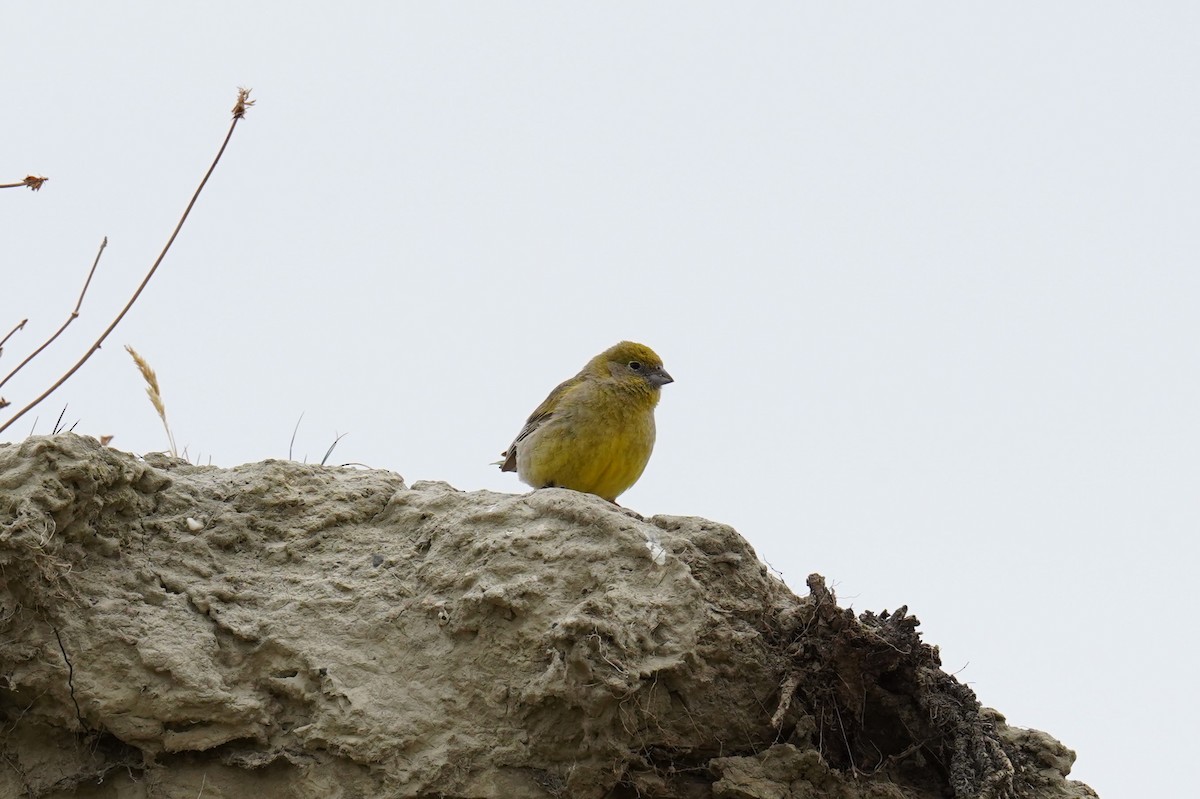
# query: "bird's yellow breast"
x,y
598,442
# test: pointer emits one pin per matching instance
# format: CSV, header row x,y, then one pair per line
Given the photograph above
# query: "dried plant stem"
x,y
70,319
154,393
239,111
3,402
33,182
19,326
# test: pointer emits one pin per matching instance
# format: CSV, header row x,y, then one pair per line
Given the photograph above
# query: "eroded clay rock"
x,y
283,630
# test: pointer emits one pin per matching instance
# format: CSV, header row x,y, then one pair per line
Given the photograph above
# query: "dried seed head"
x,y
243,102
153,392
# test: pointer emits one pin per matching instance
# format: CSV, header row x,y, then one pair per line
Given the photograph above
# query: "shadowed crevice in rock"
x,y
285,630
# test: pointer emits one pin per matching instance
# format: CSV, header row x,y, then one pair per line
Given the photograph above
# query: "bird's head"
x,y
632,363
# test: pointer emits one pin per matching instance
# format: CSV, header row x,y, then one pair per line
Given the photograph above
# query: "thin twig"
x,y
74,315
20,326
239,111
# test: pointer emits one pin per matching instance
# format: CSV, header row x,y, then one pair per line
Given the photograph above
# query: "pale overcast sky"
x,y
925,274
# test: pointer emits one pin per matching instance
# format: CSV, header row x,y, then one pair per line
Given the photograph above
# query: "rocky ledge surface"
x,y
285,630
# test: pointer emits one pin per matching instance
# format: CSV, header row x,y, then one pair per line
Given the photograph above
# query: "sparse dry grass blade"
x,y
58,423
292,443
154,393
239,111
329,451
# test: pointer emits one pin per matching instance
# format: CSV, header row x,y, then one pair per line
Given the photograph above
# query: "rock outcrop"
x,y
283,630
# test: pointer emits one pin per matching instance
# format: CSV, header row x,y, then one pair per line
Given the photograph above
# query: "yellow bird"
x,y
595,432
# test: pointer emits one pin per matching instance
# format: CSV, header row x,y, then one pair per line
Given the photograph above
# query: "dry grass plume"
x,y
155,394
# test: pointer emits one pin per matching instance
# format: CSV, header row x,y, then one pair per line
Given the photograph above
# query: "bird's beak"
x,y
659,377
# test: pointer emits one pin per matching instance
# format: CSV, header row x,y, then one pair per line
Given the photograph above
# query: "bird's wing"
x,y
540,414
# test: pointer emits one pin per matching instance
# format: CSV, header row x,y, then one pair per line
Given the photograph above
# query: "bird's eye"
x,y
635,366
